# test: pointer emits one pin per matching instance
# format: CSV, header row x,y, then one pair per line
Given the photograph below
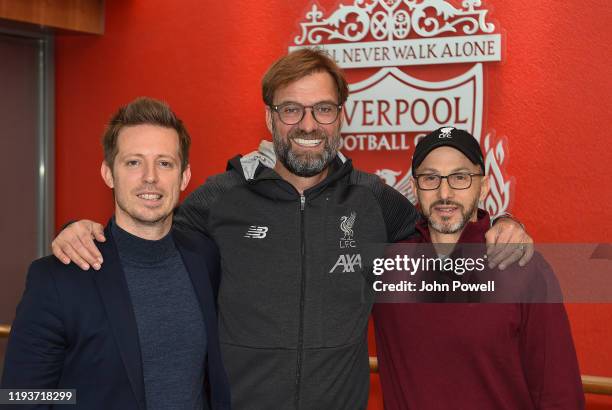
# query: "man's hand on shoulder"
x,y
507,243
75,243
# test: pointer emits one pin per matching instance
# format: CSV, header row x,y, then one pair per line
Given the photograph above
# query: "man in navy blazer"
x,y
140,333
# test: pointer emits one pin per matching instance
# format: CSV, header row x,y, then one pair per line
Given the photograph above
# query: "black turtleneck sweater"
x,y
170,323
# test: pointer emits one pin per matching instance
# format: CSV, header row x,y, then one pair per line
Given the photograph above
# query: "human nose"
x,y
150,173
445,191
308,123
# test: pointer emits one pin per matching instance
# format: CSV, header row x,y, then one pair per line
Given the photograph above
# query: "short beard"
x,y
446,228
306,165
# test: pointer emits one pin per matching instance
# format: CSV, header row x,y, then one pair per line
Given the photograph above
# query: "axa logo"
x,y
348,262
446,132
346,226
256,232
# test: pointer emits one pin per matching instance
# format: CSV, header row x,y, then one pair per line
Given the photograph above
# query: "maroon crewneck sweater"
x,y
471,356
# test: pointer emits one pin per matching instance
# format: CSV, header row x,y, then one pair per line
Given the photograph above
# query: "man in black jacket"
x,y
291,226
140,333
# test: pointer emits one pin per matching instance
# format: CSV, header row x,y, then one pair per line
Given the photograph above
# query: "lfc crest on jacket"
x,y
413,66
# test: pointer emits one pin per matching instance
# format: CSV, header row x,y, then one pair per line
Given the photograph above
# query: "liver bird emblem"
x,y
346,226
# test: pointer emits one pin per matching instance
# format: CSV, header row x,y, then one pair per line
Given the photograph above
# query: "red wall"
x,y
551,97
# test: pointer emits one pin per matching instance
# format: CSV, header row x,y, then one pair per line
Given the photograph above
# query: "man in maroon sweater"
x,y
472,355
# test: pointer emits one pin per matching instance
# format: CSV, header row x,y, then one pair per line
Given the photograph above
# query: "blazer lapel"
x,y
198,272
200,278
115,295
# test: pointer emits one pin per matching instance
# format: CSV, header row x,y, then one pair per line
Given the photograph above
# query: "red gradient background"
x,y
551,97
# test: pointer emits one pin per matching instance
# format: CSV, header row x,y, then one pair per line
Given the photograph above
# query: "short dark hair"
x,y
299,64
144,110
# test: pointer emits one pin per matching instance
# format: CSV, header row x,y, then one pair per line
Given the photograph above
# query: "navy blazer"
x,y
76,329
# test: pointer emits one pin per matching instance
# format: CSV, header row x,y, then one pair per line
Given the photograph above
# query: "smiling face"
x,y
306,148
448,210
146,177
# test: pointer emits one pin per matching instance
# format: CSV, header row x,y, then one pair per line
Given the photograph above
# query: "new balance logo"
x,y
256,232
348,263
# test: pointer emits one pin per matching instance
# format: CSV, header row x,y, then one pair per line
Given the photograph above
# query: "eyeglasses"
x,y
459,180
292,113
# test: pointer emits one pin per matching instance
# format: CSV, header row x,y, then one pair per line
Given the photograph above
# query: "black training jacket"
x,y
294,299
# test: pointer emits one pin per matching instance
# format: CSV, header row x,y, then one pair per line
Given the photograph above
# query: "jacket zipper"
x,y
300,346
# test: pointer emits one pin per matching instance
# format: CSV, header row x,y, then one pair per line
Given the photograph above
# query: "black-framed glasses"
x,y
458,180
291,113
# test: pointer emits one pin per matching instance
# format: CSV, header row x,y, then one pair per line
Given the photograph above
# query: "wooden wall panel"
x,y
85,16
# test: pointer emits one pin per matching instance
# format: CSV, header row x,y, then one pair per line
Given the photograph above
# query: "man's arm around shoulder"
x,y
399,214
194,213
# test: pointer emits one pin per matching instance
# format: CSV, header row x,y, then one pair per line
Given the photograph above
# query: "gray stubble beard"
x,y
446,229
305,165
